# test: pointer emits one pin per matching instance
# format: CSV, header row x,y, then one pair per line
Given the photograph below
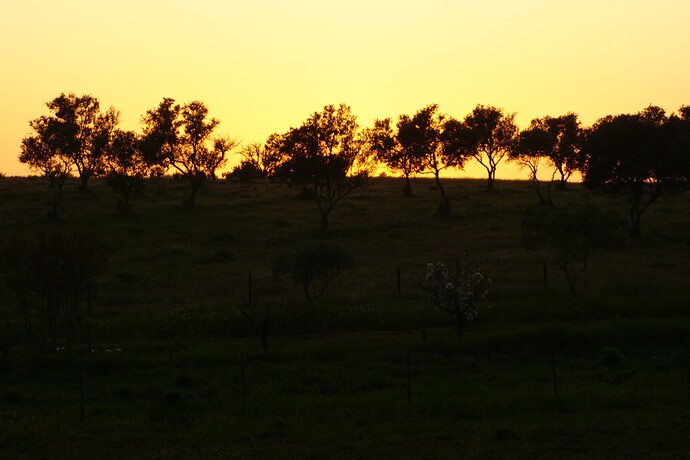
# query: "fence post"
x,y
244,386
554,375
409,384
81,394
249,291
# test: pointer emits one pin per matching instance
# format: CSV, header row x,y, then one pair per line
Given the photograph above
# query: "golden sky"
x,y
262,66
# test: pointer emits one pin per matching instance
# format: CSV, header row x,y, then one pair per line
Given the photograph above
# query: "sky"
x,y
263,66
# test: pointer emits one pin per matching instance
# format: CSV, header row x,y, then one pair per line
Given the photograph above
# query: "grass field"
x,y
364,371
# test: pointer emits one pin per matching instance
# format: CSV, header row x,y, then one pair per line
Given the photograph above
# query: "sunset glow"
x,y
263,66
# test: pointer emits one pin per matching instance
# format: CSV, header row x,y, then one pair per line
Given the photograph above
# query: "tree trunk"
x,y
192,197
84,178
490,181
57,198
571,283
635,213
444,206
324,221
407,190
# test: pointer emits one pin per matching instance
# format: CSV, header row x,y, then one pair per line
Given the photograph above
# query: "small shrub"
x,y
313,267
458,291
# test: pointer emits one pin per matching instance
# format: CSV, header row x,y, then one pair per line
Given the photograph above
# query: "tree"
x,y
85,130
422,136
324,158
313,267
386,148
565,152
179,137
126,166
459,290
532,146
488,135
45,151
264,158
637,154
569,236
52,278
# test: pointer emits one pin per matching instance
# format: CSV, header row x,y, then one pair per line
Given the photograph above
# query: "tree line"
x,y
644,155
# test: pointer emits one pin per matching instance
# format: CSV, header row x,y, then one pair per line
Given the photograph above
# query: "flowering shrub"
x,y
458,292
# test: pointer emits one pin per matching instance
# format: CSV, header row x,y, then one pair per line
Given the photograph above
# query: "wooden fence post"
x,y
244,386
554,375
409,384
81,394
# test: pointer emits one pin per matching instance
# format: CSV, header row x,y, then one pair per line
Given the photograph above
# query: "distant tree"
x,y
45,151
324,158
488,136
386,148
179,137
565,153
313,267
458,290
52,278
569,236
422,136
635,154
263,158
83,129
532,146
126,166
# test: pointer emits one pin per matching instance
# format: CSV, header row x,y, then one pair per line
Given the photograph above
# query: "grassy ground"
x,y
165,380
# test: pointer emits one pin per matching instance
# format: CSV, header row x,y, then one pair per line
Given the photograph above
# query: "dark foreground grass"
x,y
489,396
164,378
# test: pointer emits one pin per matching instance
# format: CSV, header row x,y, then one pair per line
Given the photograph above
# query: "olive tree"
x,y
387,149
180,137
569,236
642,155
324,158
488,135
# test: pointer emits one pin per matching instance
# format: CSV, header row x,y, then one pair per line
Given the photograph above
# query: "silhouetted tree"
x,y
533,145
458,290
635,154
529,153
180,137
422,136
45,151
565,153
324,158
489,135
84,131
313,267
52,278
386,148
264,158
569,236
126,166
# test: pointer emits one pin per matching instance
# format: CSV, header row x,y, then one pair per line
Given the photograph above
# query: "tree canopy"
x,y
387,149
642,154
488,135
180,137
324,157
